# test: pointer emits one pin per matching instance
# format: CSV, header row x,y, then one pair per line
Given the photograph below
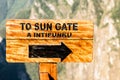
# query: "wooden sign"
x,y
49,40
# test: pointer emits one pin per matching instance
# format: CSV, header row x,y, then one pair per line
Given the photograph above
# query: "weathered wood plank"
x,y
15,31
17,50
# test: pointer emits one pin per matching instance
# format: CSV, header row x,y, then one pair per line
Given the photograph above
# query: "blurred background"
x,y
106,17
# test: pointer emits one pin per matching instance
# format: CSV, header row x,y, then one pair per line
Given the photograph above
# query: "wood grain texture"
x,y
14,29
44,76
17,49
48,71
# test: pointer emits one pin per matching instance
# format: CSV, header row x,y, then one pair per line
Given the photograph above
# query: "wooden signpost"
x,y
49,42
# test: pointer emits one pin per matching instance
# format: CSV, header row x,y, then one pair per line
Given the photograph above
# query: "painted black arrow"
x,y
49,51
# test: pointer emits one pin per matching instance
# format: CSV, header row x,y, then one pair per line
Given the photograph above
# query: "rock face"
x,y
104,14
106,18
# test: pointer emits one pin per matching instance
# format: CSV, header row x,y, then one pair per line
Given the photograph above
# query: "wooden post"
x,y
48,71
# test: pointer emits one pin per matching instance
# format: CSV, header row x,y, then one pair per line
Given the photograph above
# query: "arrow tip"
x,y
66,52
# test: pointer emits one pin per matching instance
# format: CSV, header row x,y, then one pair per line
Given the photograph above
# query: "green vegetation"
x,y
98,10
116,18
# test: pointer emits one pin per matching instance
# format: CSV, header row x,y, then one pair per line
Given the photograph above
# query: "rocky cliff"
x,y
106,17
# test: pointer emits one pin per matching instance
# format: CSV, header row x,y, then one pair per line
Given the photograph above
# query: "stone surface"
x,y
106,18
